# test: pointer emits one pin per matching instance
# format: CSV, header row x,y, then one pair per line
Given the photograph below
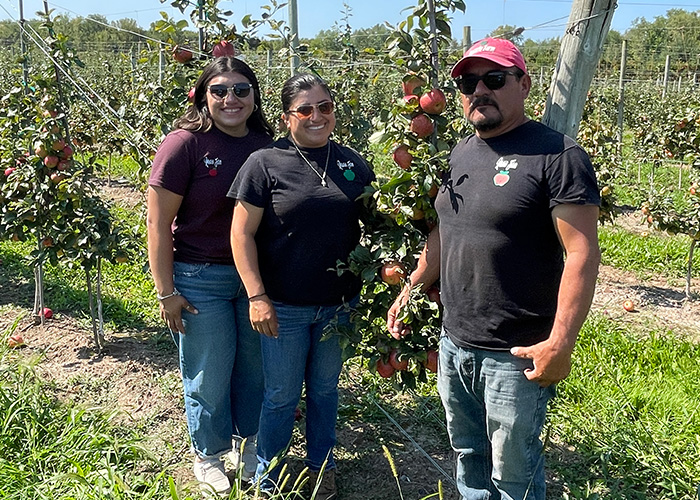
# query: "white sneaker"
x,y
212,474
247,461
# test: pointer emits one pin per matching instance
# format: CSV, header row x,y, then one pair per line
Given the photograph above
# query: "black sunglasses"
x,y
306,110
238,89
494,80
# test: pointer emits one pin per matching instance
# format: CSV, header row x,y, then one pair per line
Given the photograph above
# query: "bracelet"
x,y
257,296
175,293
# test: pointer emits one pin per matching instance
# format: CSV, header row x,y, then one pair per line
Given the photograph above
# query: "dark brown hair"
x,y
197,117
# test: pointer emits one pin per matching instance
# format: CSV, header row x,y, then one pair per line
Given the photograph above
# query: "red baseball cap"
x,y
498,50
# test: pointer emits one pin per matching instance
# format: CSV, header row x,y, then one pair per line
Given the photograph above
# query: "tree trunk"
x,y
581,47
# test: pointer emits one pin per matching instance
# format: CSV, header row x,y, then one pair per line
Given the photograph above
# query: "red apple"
x,y
421,125
63,165
8,171
182,55
51,161
628,305
411,99
190,95
384,369
47,242
393,272
402,157
58,145
431,361
48,313
57,177
410,83
224,49
394,361
15,341
433,294
39,149
433,102
67,152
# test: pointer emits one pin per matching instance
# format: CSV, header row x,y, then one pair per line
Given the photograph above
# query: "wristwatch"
x,y
163,297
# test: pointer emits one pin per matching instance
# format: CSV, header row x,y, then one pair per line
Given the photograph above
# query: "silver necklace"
x,y
325,168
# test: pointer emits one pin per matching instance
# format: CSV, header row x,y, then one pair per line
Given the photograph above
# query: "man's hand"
x,y
551,364
396,328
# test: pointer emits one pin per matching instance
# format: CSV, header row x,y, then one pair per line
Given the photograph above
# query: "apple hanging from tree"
x,y
393,272
421,125
402,157
223,49
433,102
395,363
431,361
182,55
410,83
9,171
51,161
384,369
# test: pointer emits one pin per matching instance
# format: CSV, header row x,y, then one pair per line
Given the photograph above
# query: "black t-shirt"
x,y
306,227
501,261
200,167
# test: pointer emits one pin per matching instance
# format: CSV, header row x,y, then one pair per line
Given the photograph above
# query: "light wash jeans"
x,y
298,356
494,419
220,358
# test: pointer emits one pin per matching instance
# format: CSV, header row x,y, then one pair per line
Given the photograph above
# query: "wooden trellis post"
x,y
580,51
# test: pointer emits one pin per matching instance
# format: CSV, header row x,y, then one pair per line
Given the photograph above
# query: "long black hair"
x,y
197,117
298,83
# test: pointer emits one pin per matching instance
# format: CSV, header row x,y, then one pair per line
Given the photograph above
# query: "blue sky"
x,y
541,18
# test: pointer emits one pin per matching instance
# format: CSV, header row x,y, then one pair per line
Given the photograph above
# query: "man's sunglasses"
x,y
238,89
494,80
306,110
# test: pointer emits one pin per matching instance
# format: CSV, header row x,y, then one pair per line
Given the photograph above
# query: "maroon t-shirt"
x,y
201,168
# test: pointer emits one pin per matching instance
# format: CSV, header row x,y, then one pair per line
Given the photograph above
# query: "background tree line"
x,y
677,34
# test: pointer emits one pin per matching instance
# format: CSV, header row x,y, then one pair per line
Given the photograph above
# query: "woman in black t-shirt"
x,y
296,216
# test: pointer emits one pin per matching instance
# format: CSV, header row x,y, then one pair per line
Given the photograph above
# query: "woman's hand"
x,y
263,317
171,312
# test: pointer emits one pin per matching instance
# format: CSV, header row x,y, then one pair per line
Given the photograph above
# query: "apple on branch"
x,y
393,272
433,102
422,126
402,157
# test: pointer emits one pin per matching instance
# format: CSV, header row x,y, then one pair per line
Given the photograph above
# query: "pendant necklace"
x,y
325,168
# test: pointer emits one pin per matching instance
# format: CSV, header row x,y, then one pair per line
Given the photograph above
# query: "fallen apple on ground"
x,y
628,305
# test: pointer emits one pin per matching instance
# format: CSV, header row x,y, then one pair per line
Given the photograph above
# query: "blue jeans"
x,y
220,358
298,356
494,419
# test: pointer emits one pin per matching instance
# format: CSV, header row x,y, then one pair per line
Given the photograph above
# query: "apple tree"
x,y
47,195
415,134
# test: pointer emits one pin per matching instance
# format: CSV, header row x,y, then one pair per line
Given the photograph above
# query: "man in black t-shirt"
x,y
517,256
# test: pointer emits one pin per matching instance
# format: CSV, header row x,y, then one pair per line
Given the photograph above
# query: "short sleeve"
x,y
252,184
172,164
571,179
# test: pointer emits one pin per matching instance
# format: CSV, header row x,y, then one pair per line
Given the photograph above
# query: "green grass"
x,y
630,412
128,299
656,253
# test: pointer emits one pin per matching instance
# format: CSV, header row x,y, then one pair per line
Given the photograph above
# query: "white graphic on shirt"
x,y
212,165
504,166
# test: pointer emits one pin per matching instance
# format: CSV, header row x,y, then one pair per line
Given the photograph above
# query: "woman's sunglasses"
x,y
494,80
238,89
306,110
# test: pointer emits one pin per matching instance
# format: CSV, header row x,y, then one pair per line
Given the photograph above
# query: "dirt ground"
x,y
137,375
